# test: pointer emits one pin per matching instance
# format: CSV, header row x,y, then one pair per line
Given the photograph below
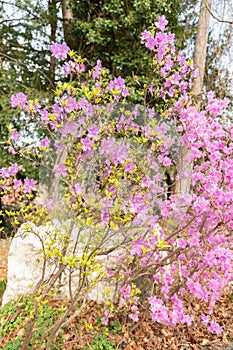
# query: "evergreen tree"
x,y
110,30
26,30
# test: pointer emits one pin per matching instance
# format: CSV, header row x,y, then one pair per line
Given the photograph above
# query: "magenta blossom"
x,y
119,85
44,115
148,39
134,315
11,150
78,189
19,100
70,104
11,171
59,146
29,185
86,144
60,170
159,312
45,142
15,135
93,132
125,291
97,70
69,128
105,318
59,51
72,66
161,24
17,184
215,327
129,167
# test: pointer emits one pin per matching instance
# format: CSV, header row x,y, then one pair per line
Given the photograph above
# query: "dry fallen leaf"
x,y
165,333
20,332
205,342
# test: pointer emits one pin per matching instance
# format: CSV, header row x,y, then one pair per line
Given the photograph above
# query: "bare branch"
x,y
11,20
215,17
24,64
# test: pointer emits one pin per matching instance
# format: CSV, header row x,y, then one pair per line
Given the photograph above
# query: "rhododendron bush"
x,y
112,161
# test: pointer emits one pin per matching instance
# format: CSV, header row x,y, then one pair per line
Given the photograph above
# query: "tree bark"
x,y
68,21
183,185
52,9
200,49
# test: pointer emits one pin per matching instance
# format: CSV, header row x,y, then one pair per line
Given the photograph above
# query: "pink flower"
x,y
78,189
86,144
93,132
59,50
125,291
119,85
215,327
17,184
68,67
97,70
211,94
182,243
5,172
19,100
159,312
45,142
105,318
109,271
166,161
14,168
151,112
216,106
11,150
205,319
161,24
60,170
137,204
134,315
15,135
29,185
151,89
69,127
79,68
59,146
70,105
197,289
44,115
137,247
148,39
129,167
72,66
105,217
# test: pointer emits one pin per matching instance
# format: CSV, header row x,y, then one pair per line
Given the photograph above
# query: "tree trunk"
x,y
68,21
52,9
183,184
200,49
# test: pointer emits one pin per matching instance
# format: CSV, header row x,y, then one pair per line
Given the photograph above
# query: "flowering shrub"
x,y
114,158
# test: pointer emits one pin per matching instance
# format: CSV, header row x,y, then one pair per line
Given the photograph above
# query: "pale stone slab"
x,y
25,265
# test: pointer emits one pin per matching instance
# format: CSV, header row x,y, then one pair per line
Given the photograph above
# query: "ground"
x,y
86,331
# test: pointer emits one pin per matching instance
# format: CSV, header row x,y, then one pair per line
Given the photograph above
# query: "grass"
x,y
2,286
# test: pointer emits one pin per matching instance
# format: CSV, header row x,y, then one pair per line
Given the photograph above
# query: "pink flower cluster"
x,y
60,51
176,72
117,85
20,101
131,161
10,171
76,67
11,183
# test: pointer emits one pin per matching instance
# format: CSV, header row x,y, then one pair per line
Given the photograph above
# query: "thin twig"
x,y
215,17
